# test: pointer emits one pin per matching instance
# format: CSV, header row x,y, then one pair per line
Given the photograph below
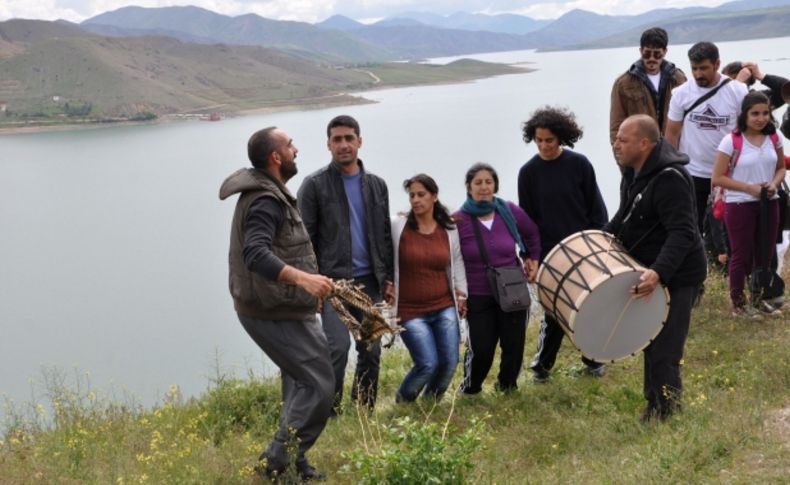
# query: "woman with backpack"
x,y
750,165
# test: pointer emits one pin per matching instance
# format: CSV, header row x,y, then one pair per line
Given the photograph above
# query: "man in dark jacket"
x,y
647,85
275,291
656,223
346,211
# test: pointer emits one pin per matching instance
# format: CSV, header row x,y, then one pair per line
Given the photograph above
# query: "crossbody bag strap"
x,y
480,244
639,197
705,97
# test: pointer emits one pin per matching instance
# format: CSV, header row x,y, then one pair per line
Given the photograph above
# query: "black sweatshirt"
x,y
561,196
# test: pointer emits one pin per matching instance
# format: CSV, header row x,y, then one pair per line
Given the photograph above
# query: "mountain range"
x,y
418,35
138,61
56,73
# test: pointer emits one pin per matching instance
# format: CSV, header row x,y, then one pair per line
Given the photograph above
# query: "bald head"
x,y
636,138
645,126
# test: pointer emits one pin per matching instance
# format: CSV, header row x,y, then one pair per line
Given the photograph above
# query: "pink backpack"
x,y
718,192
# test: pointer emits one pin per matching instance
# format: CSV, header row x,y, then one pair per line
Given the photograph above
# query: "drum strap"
x,y
636,201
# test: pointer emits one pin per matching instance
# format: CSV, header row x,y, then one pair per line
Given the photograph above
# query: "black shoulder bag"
x,y
508,283
705,97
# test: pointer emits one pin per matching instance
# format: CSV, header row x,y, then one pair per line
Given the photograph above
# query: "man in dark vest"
x,y
276,289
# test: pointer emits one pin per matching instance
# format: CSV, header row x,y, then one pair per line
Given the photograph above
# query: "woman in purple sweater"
x,y
505,229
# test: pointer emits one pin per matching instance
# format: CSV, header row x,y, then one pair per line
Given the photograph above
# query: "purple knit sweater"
x,y
499,243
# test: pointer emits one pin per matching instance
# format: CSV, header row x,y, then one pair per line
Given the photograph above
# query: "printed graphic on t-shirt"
x,y
709,119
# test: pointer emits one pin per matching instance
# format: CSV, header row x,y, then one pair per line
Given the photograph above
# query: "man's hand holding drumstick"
x,y
647,283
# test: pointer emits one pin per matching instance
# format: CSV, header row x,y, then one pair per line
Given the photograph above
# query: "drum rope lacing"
x,y
595,260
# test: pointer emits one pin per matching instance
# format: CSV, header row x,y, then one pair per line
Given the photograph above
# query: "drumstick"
x,y
617,323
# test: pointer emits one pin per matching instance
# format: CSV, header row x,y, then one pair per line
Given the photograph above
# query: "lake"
x,y
114,242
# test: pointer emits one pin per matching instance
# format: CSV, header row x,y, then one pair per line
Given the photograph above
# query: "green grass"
x,y
571,430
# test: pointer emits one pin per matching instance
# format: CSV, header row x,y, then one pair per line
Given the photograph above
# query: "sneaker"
x,y
768,309
652,414
269,474
505,389
308,473
540,376
647,415
597,371
747,312
776,302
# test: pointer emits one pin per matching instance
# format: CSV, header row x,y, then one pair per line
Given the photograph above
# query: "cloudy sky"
x,y
317,10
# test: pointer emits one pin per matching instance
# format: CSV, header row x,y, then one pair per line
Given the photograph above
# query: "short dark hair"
x,y
702,51
656,38
732,69
751,99
440,213
342,120
470,174
260,146
559,121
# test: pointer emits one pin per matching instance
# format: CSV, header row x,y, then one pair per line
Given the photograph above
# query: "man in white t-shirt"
x,y
696,128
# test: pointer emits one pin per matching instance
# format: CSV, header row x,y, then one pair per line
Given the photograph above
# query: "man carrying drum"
x,y
655,223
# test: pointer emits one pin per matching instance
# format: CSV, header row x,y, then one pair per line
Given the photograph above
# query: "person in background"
x,y
275,286
749,72
430,290
700,115
504,226
558,190
759,170
661,232
646,87
346,211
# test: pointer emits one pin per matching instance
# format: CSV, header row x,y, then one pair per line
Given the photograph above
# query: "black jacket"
x,y
774,91
661,231
324,207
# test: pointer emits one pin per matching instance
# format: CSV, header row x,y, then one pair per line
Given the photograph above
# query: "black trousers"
x,y
366,376
663,384
701,194
489,325
549,342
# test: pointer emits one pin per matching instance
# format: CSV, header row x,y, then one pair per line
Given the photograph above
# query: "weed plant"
x,y
573,429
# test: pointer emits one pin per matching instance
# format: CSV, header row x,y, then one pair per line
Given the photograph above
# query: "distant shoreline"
x,y
343,100
322,102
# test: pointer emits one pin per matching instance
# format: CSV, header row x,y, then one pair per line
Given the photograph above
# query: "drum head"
x,y
611,324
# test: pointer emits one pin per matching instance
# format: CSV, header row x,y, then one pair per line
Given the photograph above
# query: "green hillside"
x,y
50,78
575,429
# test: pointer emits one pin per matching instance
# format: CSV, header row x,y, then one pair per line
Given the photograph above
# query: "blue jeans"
x,y
432,340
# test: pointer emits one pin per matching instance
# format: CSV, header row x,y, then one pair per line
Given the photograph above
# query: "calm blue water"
x,y
113,243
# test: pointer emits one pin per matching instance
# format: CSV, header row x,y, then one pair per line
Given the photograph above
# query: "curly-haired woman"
x,y
558,190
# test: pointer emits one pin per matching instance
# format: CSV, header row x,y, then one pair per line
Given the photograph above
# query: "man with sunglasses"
x,y
647,85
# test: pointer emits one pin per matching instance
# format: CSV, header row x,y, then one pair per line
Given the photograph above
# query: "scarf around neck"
x,y
482,207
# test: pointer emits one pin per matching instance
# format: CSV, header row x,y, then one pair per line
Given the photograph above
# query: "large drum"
x,y
586,282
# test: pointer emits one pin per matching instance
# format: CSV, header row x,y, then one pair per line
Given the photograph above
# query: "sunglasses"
x,y
657,54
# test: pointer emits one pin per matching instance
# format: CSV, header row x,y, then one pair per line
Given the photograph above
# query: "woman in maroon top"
x,y
504,226
430,289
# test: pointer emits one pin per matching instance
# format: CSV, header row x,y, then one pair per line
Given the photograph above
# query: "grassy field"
x,y
735,427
